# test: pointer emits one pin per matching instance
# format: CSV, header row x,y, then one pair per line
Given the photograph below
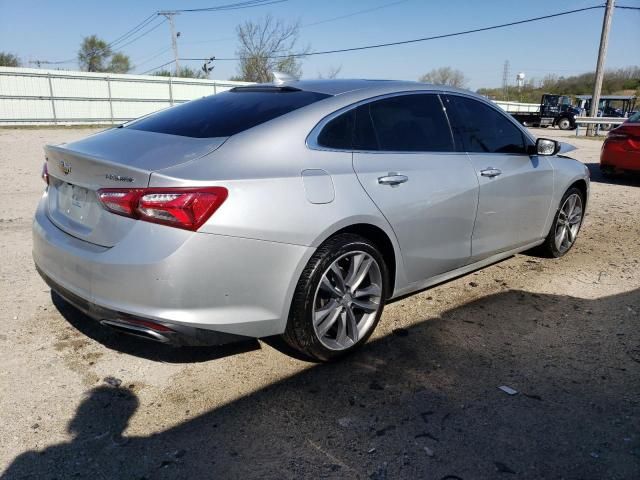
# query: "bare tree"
x,y
445,76
332,72
267,46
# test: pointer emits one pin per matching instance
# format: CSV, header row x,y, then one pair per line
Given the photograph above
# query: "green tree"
x,y
445,76
119,63
95,55
621,81
9,60
261,42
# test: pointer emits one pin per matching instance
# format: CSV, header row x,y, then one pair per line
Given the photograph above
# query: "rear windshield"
x,y
227,113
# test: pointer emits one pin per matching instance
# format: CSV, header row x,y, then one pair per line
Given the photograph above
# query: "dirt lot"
x,y
420,401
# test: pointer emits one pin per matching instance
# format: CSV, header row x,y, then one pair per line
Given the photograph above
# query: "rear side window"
x,y
338,133
353,130
411,123
482,129
227,113
408,123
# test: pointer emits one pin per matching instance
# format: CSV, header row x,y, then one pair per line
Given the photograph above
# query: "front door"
x,y
516,188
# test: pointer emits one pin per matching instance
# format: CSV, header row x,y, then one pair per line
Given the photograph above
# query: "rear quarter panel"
x,y
262,170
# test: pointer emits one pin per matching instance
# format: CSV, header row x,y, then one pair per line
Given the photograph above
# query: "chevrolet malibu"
x,y
296,209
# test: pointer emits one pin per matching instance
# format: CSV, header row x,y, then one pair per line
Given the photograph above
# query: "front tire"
x,y
564,124
339,298
566,225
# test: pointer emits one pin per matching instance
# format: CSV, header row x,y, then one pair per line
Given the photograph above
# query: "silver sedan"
x,y
296,209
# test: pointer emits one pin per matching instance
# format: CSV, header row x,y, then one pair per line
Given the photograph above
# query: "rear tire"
x,y
566,225
339,298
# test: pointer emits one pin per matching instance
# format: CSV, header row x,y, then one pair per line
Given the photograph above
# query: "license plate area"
x,y
73,208
74,202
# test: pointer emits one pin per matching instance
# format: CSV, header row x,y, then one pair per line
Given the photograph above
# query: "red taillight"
x,y
186,208
45,173
120,201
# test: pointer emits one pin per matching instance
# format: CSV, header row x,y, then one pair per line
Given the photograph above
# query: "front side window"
x,y
480,128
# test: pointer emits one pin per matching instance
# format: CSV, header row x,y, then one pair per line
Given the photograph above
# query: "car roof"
x,y
340,86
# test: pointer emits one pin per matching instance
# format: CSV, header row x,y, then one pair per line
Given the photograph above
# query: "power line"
x,y
152,57
133,30
148,20
353,14
160,66
417,40
230,6
121,38
312,24
143,34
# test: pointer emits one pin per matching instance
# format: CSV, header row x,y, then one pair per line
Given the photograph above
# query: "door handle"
x,y
490,172
392,179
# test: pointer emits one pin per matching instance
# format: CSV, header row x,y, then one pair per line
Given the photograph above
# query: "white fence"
x,y
30,96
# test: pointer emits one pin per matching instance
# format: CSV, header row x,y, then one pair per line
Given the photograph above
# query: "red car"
x,y
621,149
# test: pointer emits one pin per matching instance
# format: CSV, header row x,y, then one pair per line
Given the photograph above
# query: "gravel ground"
x,y
421,400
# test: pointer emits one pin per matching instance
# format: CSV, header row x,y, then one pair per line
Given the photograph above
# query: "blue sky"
x,y
53,30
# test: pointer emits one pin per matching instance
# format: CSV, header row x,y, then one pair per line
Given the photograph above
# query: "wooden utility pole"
x,y
602,53
174,37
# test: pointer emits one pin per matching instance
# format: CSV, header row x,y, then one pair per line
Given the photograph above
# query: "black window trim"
x,y
312,138
527,136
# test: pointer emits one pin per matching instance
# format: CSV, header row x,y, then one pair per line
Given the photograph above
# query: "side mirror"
x,y
547,147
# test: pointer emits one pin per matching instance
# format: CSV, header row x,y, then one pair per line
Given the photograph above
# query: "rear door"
x,y
406,161
516,188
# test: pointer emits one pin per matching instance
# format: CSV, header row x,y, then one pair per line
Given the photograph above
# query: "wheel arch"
x,y
581,184
383,238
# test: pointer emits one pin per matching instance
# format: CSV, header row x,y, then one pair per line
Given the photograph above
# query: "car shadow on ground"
x,y
145,348
628,179
421,403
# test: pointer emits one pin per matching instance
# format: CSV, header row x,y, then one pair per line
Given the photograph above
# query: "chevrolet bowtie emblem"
x,y
65,167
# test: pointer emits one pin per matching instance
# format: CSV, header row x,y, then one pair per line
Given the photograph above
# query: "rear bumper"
x,y
172,334
187,281
618,159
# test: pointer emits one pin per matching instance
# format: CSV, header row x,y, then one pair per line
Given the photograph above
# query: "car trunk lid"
x,y
116,158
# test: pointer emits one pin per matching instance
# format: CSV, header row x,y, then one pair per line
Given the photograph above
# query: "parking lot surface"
x,y
421,400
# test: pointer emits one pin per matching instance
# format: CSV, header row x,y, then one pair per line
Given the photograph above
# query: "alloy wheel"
x,y
347,300
568,222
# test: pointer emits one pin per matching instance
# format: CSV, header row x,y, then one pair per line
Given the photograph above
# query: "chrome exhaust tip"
x,y
141,331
